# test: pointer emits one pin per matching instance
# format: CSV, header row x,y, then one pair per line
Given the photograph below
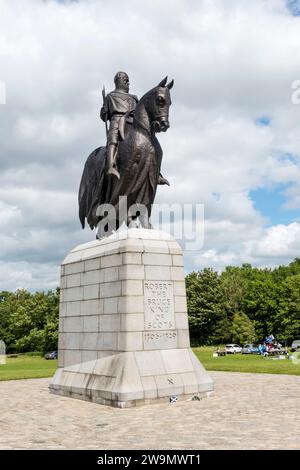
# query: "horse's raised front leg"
x,y
139,221
132,222
145,218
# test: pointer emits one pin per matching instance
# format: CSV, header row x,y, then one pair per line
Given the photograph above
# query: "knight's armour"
x,y
121,103
117,103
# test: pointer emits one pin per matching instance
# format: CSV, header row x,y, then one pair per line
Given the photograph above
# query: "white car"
x,y
233,348
295,345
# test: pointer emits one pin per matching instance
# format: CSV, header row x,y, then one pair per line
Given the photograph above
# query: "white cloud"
x,y
32,276
279,241
232,61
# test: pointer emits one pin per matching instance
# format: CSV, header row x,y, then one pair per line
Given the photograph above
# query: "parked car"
x,y
51,355
233,348
250,349
295,345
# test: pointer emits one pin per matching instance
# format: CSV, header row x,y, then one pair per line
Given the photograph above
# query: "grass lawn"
x,y
33,367
245,363
26,367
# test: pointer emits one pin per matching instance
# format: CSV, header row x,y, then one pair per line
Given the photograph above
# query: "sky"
x,y
233,144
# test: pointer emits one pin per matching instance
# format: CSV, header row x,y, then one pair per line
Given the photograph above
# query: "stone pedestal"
x,y
123,335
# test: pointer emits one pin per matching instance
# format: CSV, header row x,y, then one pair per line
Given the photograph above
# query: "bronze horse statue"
x,y
139,162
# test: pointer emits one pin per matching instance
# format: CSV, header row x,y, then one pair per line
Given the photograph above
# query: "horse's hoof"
x,y
114,172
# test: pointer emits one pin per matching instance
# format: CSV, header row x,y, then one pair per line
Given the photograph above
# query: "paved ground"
x,y
247,411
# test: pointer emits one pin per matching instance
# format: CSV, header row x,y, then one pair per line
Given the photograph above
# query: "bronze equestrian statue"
x,y
136,158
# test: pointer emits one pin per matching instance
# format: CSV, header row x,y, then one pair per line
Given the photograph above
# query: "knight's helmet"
x,y
2,352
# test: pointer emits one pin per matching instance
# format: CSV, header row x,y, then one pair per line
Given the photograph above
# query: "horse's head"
x,y
157,104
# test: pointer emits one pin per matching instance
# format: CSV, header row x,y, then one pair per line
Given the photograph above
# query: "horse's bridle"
x,y
159,120
155,124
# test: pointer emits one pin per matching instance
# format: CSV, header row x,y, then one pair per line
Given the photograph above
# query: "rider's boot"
x,y
111,161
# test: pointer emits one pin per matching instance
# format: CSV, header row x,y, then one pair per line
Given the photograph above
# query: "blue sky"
x,y
294,7
270,202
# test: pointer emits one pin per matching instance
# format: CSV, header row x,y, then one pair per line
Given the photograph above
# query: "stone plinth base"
x,y
134,378
123,334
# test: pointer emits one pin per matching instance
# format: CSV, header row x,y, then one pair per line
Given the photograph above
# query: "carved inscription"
x,y
160,339
159,305
160,335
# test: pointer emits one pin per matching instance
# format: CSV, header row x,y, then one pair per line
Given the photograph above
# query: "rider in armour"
x,y
116,104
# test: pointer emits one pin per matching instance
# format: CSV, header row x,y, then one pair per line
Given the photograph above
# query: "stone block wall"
x,y
123,293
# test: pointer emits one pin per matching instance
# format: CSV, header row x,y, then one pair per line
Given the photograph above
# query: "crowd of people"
x,y
271,346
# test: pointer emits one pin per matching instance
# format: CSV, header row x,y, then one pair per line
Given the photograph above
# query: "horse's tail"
x,y
90,193
82,200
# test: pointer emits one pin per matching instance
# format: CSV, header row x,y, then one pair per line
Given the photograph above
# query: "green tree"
x,y
287,320
243,330
261,301
29,321
204,298
282,272
233,286
222,331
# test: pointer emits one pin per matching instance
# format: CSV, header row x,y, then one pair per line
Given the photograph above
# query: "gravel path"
x,y
247,411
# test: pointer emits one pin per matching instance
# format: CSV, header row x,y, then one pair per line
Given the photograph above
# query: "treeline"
x,y
244,304
29,321
239,305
